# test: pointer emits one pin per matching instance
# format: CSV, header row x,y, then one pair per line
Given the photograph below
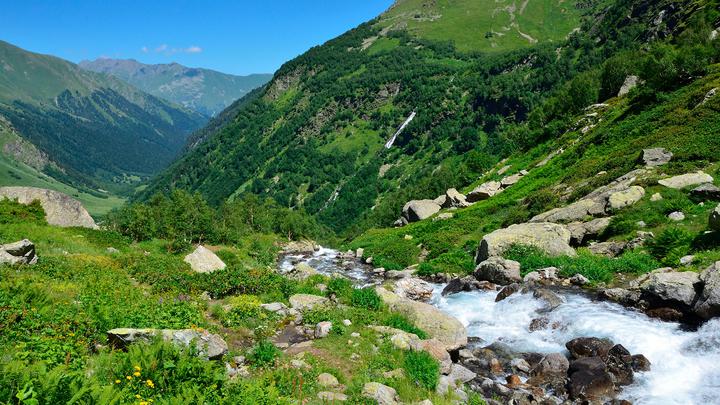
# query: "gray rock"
x,y
672,288
327,380
322,329
461,374
306,302
454,199
277,307
300,247
398,274
383,394
549,298
656,197
630,83
589,347
579,280
656,157
417,210
552,365
626,198
609,249
620,295
484,191
582,231
203,260
208,345
687,260
112,250
414,289
331,397
706,191
676,216
714,220
60,209
511,180
708,303
22,252
686,180
576,211
499,271
443,216
553,239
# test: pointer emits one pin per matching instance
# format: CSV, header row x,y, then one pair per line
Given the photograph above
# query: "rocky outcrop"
x,y
208,345
686,180
513,179
484,191
446,329
22,252
499,271
581,232
714,220
553,239
60,209
203,260
656,157
625,198
414,289
417,210
708,302
454,199
671,289
706,192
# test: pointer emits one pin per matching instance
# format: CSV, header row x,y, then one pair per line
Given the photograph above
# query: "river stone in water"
x,y
708,304
446,329
302,271
60,209
203,260
499,271
552,365
589,347
590,380
686,180
553,239
210,346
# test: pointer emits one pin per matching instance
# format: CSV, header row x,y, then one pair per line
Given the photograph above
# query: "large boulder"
x,y
590,380
708,303
306,302
208,345
414,289
417,210
454,198
714,220
625,198
686,180
382,394
484,191
583,231
60,209
671,288
656,157
447,330
302,271
553,239
22,252
706,191
203,260
499,271
576,211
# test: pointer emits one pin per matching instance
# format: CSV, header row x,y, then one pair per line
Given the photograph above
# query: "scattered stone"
x,y
414,289
686,180
552,365
706,191
507,291
443,216
579,280
203,260
512,180
714,220
299,364
397,373
687,260
499,271
359,253
383,394
22,252
576,211
60,209
589,347
347,322
417,210
327,380
520,365
626,198
610,249
331,397
640,363
208,345
398,274
548,275
306,302
503,169
111,250
580,232
322,329
458,373
484,191
620,295
553,239
276,307
630,83
656,157
656,197
302,271
676,216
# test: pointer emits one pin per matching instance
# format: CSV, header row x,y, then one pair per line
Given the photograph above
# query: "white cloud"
x,y
166,50
193,49
161,48
144,49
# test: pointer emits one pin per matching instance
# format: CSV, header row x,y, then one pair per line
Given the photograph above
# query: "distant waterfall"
x,y
391,141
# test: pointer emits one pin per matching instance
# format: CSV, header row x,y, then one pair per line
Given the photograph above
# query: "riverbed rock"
x,y
208,345
686,180
60,209
589,380
306,302
417,210
708,303
203,260
589,347
467,283
706,191
656,156
484,191
553,239
300,247
414,289
579,280
382,394
714,220
447,330
302,271
671,288
453,198
551,365
499,271
549,299
507,291
22,252
621,296
626,198
619,364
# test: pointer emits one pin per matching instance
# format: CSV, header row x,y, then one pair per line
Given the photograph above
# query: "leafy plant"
x,y
422,368
366,298
263,354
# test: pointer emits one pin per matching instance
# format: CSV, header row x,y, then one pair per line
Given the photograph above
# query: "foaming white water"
x,y
329,262
685,365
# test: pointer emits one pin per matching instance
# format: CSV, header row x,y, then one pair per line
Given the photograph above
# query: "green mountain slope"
x,y
97,130
203,90
315,139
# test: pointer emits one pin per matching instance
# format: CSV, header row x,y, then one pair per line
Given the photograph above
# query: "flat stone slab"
x,y
208,345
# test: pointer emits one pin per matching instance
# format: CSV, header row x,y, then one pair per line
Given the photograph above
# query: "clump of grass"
x,y
422,368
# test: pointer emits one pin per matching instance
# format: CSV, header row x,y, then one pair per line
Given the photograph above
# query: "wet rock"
x,y
520,365
714,220
589,347
383,394
666,314
507,291
686,180
208,345
60,209
549,298
499,271
588,379
656,157
417,210
640,363
552,365
414,289
538,324
468,283
671,288
626,198
619,365
203,260
553,239
22,252
484,191
706,191
708,303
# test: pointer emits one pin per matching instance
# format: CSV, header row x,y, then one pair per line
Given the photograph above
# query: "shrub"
x,y
12,212
340,286
422,368
670,245
263,354
366,298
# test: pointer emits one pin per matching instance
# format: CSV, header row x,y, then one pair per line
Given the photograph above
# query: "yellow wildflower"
x,y
138,396
117,381
150,383
136,374
137,368
129,378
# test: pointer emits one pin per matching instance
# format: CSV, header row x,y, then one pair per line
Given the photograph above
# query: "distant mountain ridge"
x,y
95,130
202,90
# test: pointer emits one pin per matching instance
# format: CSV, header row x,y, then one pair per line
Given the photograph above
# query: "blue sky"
x,y
237,37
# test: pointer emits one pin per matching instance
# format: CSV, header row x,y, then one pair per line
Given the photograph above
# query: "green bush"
x,y
422,368
366,298
12,212
339,286
670,245
263,354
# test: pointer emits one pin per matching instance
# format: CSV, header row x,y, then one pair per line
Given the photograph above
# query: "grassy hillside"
x,y
486,25
98,131
202,90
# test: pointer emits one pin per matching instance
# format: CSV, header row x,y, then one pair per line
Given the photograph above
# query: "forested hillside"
x,y
95,131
